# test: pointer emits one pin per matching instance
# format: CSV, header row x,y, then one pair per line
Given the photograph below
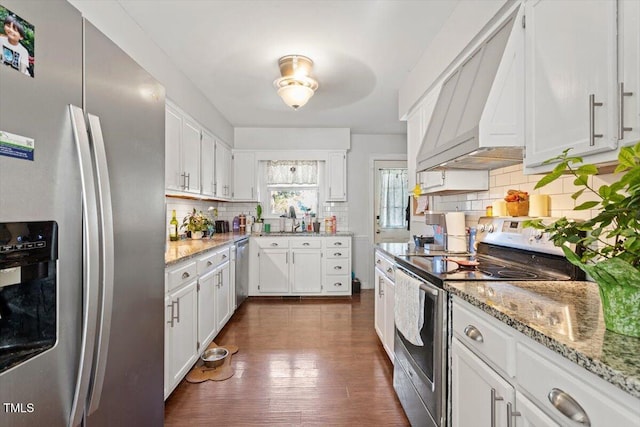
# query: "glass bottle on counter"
x,y
173,227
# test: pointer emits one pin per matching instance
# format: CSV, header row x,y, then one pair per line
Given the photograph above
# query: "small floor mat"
x,y
201,373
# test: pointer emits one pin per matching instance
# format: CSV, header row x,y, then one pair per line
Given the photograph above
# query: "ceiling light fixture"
x,y
296,86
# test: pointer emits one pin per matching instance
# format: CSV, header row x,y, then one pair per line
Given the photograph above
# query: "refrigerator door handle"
x,y
107,257
91,270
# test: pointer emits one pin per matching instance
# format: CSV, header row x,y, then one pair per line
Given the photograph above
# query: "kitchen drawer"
x,y
212,259
541,373
484,335
337,242
335,283
337,253
385,265
308,243
181,274
337,266
272,242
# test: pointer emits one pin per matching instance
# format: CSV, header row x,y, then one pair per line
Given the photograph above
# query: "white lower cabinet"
x,y
305,265
500,377
384,317
479,395
306,271
199,301
207,324
223,297
181,334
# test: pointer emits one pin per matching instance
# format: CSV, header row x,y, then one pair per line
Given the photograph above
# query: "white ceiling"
x,y
362,49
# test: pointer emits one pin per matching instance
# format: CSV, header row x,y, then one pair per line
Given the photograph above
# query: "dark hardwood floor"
x,y
300,363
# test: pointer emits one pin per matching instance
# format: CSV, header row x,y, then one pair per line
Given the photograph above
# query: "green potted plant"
x,y
257,226
196,222
608,244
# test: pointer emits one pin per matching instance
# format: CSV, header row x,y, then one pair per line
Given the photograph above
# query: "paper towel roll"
x,y
539,205
499,208
455,223
458,244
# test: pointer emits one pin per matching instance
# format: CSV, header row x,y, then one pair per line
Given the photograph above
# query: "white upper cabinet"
x,y
208,164
337,176
172,147
223,171
244,176
628,71
182,152
571,77
191,155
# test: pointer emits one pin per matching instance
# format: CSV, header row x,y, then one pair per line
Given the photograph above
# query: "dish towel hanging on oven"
x,y
409,307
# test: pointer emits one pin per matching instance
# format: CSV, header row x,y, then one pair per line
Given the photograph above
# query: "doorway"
x,y
390,201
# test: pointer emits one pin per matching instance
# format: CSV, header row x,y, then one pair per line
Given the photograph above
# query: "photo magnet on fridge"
x,y
17,38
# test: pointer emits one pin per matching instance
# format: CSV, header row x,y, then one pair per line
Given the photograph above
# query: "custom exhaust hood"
x,y
478,119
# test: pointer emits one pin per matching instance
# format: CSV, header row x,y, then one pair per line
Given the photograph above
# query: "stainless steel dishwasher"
x,y
242,271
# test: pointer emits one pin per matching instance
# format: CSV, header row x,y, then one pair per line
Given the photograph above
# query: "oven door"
x,y
424,367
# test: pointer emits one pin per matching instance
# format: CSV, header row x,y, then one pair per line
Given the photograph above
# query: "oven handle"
x,y
424,284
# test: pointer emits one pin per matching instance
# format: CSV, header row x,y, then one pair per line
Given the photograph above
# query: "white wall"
x,y
365,149
465,23
293,138
111,19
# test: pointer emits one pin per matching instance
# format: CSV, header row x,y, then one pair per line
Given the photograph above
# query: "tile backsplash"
x,y
512,177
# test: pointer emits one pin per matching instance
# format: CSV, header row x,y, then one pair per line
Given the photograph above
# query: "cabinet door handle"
x,y
568,406
305,244
172,317
178,310
209,263
185,275
224,256
621,94
592,120
337,244
337,267
337,284
340,254
494,399
511,414
473,333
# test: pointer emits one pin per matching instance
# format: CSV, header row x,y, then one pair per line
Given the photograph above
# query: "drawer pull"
x,y
209,263
473,333
389,270
274,244
568,406
305,244
185,275
378,261
337,267
337,284
340,254
337,243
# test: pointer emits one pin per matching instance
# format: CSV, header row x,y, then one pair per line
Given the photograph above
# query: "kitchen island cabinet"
x,y
536,358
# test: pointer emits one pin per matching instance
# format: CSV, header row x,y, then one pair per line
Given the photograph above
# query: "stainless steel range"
x,y
506,252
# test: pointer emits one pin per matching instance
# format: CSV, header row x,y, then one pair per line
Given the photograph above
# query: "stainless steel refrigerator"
x,y
82,230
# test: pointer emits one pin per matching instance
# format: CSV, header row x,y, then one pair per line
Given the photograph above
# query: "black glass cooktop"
x,y
487,268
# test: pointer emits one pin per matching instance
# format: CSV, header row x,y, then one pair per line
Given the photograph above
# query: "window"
x,y
393,198
292,184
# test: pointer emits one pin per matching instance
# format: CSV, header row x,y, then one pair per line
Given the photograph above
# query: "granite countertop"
x,y
185,249
526,307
